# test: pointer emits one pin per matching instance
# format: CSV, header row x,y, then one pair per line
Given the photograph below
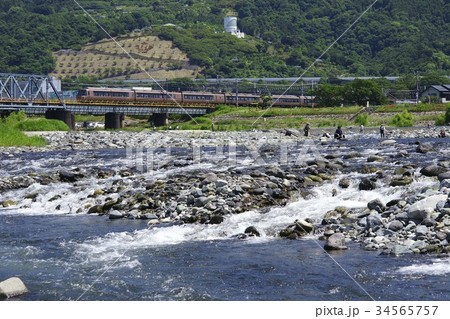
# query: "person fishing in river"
x,y
382,129
339,134
306,129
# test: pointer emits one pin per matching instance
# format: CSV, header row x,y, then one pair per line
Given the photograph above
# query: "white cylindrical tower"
x,y
230,25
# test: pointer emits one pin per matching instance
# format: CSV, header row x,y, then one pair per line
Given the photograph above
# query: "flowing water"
x,y
62,255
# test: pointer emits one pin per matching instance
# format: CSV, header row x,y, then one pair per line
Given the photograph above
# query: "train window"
x,y
113,94
242,98
120,94
153,95
199,97
248,98
289,100
149,95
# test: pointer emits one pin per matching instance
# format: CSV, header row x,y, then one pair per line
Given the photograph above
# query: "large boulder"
x,y
377,205
424,148
424,208
373,221
303,226
401,181
444,176
216,219
344,183
367,185
421,230
115,215
300,228
69,177
433,170
252,231
395,225
12,287
335,242
97,209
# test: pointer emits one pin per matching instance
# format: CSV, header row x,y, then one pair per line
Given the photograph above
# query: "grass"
x,y
278,111
42,124
89,118
230,118
11,135
421,107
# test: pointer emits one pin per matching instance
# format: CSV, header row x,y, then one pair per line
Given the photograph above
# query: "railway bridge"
x,y
38,94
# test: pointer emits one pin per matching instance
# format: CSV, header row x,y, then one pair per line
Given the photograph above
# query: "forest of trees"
x,y
284,36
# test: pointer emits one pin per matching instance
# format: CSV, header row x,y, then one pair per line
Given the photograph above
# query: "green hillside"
x,y
283,36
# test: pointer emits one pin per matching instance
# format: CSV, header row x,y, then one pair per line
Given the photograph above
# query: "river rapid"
x,y
62,253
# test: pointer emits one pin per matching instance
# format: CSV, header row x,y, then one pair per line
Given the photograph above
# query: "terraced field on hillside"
x,y
107,60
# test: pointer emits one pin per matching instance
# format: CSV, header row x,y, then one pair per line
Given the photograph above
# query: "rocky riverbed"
x,y
149,139
208,176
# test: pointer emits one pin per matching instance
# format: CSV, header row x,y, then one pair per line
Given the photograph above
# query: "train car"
x,y
142,95
203,98
308,101
105,94
243,99
286,100
157,96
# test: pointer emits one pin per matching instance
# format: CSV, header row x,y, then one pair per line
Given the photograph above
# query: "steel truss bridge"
x,y
31,94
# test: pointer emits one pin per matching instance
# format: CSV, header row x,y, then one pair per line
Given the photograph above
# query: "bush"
x,y
10,135
42,125
440,120
362,119
402,120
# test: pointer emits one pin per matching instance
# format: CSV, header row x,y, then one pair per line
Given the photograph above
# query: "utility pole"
x,y
237,89
417,86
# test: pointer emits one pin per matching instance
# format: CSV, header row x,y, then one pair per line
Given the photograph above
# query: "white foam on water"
x,y
438,267
114,245
54,199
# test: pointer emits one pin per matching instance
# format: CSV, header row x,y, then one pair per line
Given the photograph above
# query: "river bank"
x,y
84,140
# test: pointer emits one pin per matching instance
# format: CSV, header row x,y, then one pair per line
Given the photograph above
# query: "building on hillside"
x,y
230,25
442,92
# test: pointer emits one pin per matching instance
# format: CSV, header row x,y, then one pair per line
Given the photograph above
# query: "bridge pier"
x,y
63,115
114,121
159,119
4,114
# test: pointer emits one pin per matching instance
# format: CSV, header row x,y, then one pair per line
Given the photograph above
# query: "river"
x,y
64,255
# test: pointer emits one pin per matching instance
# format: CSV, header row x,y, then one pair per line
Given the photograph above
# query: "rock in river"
x,y
115,215
423,208
12,287
433,170
367,185
424,148
335,242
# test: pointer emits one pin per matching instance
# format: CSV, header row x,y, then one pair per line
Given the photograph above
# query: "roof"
x,y
441,88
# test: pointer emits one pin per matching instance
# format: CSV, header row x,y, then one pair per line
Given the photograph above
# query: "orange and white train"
x,y
143,95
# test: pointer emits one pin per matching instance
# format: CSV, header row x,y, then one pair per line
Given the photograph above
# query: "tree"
x,y
433,79
328,95
362,91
